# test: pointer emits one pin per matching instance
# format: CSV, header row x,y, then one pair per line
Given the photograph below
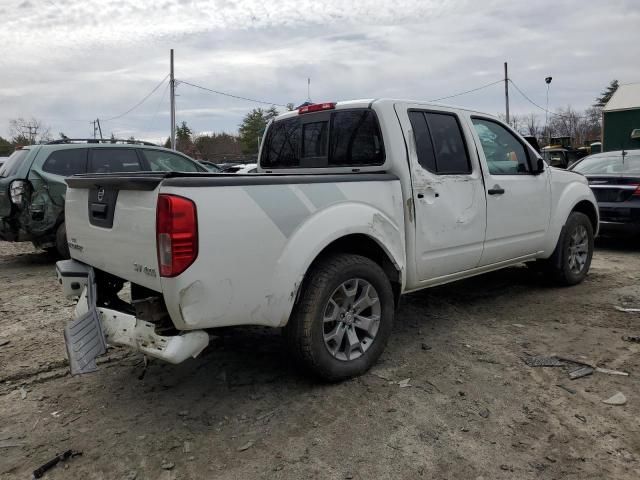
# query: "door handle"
x,y
421,195
496,190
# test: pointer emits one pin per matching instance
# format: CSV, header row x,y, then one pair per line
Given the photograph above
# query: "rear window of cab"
x,y
338,138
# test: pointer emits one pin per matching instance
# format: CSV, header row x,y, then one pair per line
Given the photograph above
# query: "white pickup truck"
x,y
355,204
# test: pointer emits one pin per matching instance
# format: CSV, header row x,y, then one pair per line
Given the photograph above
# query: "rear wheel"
x,y
571,259
62,247
343,319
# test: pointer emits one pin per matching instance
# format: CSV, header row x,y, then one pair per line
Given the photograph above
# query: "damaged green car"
x,y
32,183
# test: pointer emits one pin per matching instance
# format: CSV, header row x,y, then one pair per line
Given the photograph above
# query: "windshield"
x,y
609,164
11,166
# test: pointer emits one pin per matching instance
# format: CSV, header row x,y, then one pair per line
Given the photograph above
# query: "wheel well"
x,y
360,244
589,210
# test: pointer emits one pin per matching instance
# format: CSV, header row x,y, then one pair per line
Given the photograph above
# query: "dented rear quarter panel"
x,y
256,242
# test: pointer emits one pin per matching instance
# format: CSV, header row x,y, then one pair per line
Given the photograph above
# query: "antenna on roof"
x,y
308,89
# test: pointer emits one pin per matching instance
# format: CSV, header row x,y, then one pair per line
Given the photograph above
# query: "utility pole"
x,y
506,90
33,130
94,128
99,128
172,87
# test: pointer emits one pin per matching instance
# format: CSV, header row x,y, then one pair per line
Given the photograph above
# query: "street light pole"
x,y
546,112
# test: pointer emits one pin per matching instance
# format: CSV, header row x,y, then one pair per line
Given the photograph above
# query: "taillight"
x,y
176,234
17,191
316,107
636,192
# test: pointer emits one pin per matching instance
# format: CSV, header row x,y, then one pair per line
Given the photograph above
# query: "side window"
x,y
107,160
504,153
66,162
440,145
160,160
424,147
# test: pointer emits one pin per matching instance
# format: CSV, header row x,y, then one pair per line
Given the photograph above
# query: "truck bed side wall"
x,y
257,241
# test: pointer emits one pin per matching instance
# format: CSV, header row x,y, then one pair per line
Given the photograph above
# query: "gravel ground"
x,y
471,407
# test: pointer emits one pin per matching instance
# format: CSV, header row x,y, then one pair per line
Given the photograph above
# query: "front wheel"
x,y
571,259
343,319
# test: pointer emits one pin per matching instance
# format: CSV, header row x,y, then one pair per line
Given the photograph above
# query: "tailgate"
x,y
111,224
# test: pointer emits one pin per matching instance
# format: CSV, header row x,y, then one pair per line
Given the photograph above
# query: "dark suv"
x,y
32,182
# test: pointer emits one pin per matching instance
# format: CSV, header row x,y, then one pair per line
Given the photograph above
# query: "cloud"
x,y
71,62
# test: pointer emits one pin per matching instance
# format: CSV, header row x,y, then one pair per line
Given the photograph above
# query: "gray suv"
x,y
32,182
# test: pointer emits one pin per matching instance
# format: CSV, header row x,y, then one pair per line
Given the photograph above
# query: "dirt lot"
x,y
472,409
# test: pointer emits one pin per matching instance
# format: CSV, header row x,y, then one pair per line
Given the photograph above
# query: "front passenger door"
x,y
518,200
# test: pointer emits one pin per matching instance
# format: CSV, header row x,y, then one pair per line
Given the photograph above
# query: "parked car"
x,y
358,203
247,168
614,178
32,182
212,167
229,167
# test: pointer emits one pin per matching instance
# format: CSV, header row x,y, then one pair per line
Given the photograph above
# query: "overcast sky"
x,y
68,62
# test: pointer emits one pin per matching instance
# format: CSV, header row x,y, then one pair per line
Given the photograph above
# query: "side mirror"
x,y
539,166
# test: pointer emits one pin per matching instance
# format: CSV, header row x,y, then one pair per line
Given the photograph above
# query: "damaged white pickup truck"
x,y
355,204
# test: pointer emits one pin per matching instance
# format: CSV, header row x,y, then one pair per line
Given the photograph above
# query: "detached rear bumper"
x,y
93,327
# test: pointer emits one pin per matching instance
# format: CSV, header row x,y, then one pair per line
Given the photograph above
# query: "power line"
x,y
541,108
468,91
139,103
162,97
230,95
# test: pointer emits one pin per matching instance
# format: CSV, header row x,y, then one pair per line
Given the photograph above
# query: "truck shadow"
x,y
620,243
24,255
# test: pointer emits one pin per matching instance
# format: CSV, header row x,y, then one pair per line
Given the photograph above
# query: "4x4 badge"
x,y
100,194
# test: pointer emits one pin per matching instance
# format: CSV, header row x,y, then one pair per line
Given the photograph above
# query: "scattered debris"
x,y
519,325
551,459
246,446
566,389
580,372
404,383
23,393
186,447
484,413
56,414
631,338
617,399
627,310
132,475
40,471
543,361
582,418
424,346
611,372
165,465
4,341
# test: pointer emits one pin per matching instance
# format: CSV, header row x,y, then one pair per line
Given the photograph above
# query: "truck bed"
x,y
256,234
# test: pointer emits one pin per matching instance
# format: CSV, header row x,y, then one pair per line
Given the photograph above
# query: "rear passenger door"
x,y
49,187
448,193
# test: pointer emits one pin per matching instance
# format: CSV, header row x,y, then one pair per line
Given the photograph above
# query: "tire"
x,y
567,266
330,286
62,247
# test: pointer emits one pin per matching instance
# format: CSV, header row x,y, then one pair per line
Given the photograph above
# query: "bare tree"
x,y
29,131
532,127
